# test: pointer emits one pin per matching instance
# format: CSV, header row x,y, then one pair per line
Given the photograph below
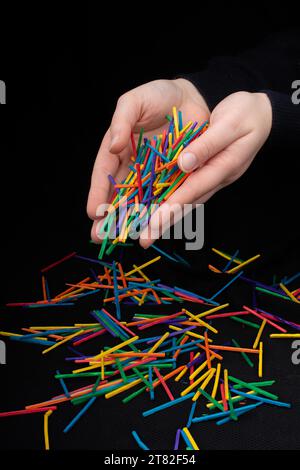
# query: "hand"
x,y
145,106
239,126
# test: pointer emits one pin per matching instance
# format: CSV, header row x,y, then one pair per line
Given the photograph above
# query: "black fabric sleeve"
x,y
271,68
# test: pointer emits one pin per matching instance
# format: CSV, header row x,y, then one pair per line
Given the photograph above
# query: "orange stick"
x,y
129,294
207,350
44,288
156,296
184,340
218,356
30,330
122,275
109,279
71,288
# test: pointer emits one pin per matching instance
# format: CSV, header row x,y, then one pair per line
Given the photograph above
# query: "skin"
x,y
239,127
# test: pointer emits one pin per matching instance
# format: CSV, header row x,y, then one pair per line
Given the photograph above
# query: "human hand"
x,y
239,126
143,107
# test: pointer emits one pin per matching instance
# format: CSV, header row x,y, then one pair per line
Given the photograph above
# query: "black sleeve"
x,y
271,68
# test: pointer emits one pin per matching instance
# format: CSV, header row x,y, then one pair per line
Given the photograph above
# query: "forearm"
x,y
270,68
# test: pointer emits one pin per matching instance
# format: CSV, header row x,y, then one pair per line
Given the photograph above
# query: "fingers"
x,y
106,164
218,136
126,115
198,188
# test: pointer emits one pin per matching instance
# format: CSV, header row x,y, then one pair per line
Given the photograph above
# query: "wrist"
x,y
190,93
266,108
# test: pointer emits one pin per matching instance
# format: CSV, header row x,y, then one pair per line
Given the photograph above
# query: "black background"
x,y
64,69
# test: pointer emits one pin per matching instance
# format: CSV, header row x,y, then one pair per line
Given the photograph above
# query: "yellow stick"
x,y
7,333
175,158
46,431
143,298
181,373
189,333
226,256
141,273
190,438
236,268
260,360
198,370
201,322
115,348
288,335
102,367
175,116
186,127
226,386
236,397
291,296
190,387
255,344
159,342
124,387
63,341
204,385
143,266
215,309
216,382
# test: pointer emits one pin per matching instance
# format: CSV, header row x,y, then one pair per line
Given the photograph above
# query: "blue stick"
x,y
168,404
64,387
78,416
263,399
226,285
139,442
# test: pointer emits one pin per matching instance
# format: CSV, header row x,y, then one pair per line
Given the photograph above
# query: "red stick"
x,y
186,297
27,412
87,338
264,318
225,404
159,320
118,323
133,144
139,180
207,350
161,379
58,262
229,314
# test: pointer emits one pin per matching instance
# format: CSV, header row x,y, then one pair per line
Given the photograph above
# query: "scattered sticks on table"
x,y
144,359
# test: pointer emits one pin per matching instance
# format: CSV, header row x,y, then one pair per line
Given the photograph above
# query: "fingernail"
x,y
114,140
188,161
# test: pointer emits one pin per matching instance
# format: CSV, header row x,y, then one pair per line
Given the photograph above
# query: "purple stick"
x,y
176,445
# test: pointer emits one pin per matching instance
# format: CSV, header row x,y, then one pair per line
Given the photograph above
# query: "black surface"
x,y
64,71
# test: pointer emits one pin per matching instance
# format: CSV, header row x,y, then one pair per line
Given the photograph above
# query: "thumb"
x,y
217,137
125,117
